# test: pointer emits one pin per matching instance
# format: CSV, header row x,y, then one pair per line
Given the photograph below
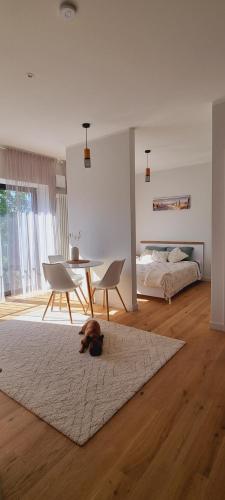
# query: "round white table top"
x,y
82,265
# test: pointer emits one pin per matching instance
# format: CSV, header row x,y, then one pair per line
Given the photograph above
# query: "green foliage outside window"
x,y
14,201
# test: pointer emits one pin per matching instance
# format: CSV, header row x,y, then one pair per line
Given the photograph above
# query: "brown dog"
x,y
92,338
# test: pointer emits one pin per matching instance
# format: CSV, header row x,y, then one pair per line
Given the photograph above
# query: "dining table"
x,y
87,265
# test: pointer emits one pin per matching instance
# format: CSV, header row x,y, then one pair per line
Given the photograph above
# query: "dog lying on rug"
x,y
93,339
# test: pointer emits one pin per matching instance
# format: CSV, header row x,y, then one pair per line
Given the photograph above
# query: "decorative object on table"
x,y
172,203
147,170
74,253
77,394
87,153
77,261
110,281
74,237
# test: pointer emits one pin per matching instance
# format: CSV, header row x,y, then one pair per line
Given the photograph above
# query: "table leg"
x,y
53,298
87,272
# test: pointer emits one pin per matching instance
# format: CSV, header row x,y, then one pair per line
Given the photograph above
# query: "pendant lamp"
x,y
87,153
147,170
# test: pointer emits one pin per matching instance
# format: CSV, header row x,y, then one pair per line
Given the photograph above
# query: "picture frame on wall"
x,y
182,202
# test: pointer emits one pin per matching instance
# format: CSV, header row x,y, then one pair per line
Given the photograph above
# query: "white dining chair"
x,y
110,281
60,282
77,278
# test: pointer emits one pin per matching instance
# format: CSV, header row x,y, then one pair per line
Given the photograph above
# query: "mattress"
x,y
167,277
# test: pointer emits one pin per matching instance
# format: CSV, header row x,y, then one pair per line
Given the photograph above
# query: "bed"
x,y
166,279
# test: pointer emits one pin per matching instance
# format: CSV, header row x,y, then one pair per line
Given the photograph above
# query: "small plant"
x,y
74,238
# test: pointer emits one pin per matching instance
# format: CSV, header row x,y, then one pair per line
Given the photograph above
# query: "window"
x,y
18,207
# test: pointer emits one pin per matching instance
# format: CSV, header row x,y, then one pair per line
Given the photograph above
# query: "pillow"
x,y
159,256
146,258
152,247
146,252
176,255
187,250
149,249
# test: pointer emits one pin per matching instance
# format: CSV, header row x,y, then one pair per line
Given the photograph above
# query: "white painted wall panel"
x,y
101,205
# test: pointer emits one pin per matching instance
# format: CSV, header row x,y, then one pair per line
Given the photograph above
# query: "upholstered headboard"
x,y
198,248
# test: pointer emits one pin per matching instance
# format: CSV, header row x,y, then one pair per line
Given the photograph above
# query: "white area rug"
x,y
76,393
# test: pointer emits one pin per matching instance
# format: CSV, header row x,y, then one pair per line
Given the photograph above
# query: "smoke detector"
x,y
67,10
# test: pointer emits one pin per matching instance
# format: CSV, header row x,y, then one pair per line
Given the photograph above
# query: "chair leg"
x,y
60,302
79,300
92,296
68,303
121,299
107,303
53,299
88,281
48,304
82,293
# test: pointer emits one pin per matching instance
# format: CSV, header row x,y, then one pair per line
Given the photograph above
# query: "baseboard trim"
x,y
217,326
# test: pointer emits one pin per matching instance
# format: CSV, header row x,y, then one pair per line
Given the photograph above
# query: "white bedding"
x,y
169,277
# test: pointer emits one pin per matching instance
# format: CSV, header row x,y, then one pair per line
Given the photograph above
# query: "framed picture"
x,y
172,203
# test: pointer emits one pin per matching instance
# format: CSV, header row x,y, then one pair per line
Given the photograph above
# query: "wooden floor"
x,y
167,443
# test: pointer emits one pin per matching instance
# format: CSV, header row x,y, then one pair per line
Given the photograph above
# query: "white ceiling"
x,y
177,138
155,65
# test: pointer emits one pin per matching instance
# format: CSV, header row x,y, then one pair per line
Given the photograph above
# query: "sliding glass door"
x,y
19,249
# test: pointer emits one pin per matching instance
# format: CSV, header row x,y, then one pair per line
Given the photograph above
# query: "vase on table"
x,y
74,253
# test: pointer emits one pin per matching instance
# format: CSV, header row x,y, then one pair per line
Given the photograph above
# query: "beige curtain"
x,y
27,220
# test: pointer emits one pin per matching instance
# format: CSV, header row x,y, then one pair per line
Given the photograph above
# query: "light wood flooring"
x,y
167,443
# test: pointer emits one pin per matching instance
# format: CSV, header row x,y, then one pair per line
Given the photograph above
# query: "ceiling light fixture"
x,y
147,170
87,153
67,10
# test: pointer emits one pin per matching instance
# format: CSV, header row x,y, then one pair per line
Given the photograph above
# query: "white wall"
x,y
101,204
218,217
193,224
